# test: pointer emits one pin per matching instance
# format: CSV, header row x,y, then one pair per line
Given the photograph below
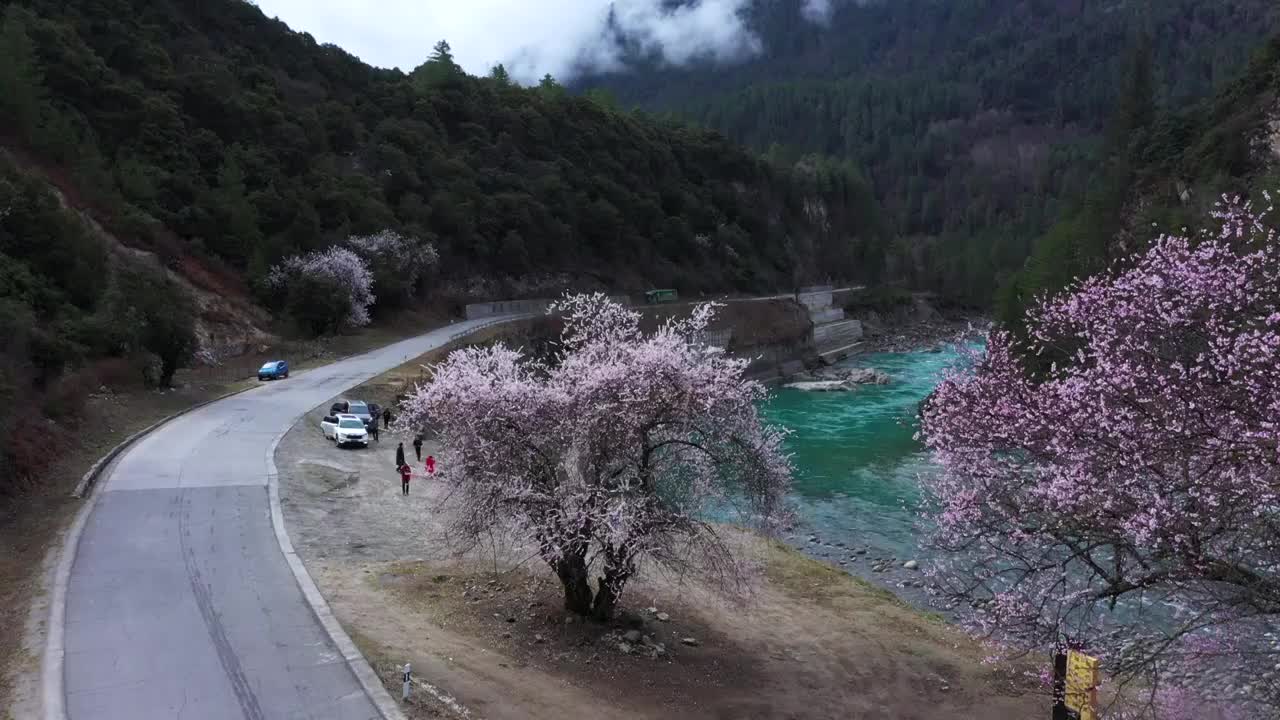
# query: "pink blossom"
x,y
619,451
1129,496
403,256
343,268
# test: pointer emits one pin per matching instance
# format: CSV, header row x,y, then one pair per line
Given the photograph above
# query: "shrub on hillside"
x,y
65,399
879,299
317,305
28,456
326,290
117,373
166,317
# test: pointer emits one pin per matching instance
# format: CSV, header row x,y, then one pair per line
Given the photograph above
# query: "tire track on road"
x,y
213,623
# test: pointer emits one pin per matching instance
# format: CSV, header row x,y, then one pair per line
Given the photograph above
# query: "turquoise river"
x,y
858,464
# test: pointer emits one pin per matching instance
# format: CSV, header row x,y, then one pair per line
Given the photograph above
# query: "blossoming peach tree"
x,y
395,261
1128,497
623,447
339,271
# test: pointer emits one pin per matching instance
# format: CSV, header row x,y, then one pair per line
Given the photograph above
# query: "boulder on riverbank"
x,y
839,379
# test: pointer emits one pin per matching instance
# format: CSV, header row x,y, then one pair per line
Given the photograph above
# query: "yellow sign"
x,y
1082,685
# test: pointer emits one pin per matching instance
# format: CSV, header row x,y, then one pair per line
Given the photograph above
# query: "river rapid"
x,y
858,468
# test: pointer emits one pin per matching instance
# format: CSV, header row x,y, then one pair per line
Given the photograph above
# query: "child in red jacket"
x,y
406,472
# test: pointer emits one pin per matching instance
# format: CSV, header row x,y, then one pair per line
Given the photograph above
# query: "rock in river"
x,y
821,386
839,379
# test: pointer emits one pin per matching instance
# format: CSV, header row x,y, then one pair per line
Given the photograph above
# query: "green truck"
x,y
655,297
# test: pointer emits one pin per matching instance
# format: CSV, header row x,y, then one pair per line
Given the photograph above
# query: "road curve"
x,y
180,602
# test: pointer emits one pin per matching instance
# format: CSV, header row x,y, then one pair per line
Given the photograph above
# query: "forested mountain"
x,y
978,122
223,142
1161,172
248,141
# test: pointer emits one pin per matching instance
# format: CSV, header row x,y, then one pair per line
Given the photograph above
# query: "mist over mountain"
x,y
977,122
563,38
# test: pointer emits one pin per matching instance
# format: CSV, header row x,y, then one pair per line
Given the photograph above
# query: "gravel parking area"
x,y
345,503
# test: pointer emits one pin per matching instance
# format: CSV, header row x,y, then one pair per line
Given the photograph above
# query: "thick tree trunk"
x,y
572,571
167,371
615,578
606,601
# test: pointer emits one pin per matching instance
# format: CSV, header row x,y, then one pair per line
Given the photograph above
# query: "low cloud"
x,y
559,37
706,30
817,11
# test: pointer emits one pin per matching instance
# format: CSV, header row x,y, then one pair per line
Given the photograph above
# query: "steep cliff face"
x,y
226,326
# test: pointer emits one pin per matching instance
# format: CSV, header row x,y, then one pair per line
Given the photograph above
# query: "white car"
x,y
345,430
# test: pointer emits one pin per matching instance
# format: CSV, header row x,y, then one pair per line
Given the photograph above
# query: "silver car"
x,y
360,409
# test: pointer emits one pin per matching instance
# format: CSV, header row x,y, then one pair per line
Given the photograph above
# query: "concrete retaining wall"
x,y
826,315
719,338
506,307
835,335
776,361
816,301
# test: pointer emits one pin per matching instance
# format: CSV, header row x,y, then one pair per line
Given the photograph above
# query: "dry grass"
x,y
805,578
813,643
421,705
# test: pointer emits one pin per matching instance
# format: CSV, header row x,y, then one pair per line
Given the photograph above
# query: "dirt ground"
x,y
34,521
487,636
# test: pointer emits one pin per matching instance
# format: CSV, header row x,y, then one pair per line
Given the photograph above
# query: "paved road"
x,y
180,603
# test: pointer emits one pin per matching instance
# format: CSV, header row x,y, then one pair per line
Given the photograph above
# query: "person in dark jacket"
x,y
373,431
386,417
417,446
400,455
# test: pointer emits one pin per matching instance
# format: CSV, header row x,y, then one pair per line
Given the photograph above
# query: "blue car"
x,y
274,370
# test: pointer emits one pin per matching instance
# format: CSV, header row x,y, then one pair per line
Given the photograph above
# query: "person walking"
x,y
406,473
417,446
431,464
386,417
373,431
400,455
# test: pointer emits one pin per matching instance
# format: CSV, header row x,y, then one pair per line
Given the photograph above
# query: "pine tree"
x,y
442,54
550,87
439,69
499,73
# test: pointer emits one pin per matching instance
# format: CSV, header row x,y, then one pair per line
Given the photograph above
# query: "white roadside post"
x,y
404,693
